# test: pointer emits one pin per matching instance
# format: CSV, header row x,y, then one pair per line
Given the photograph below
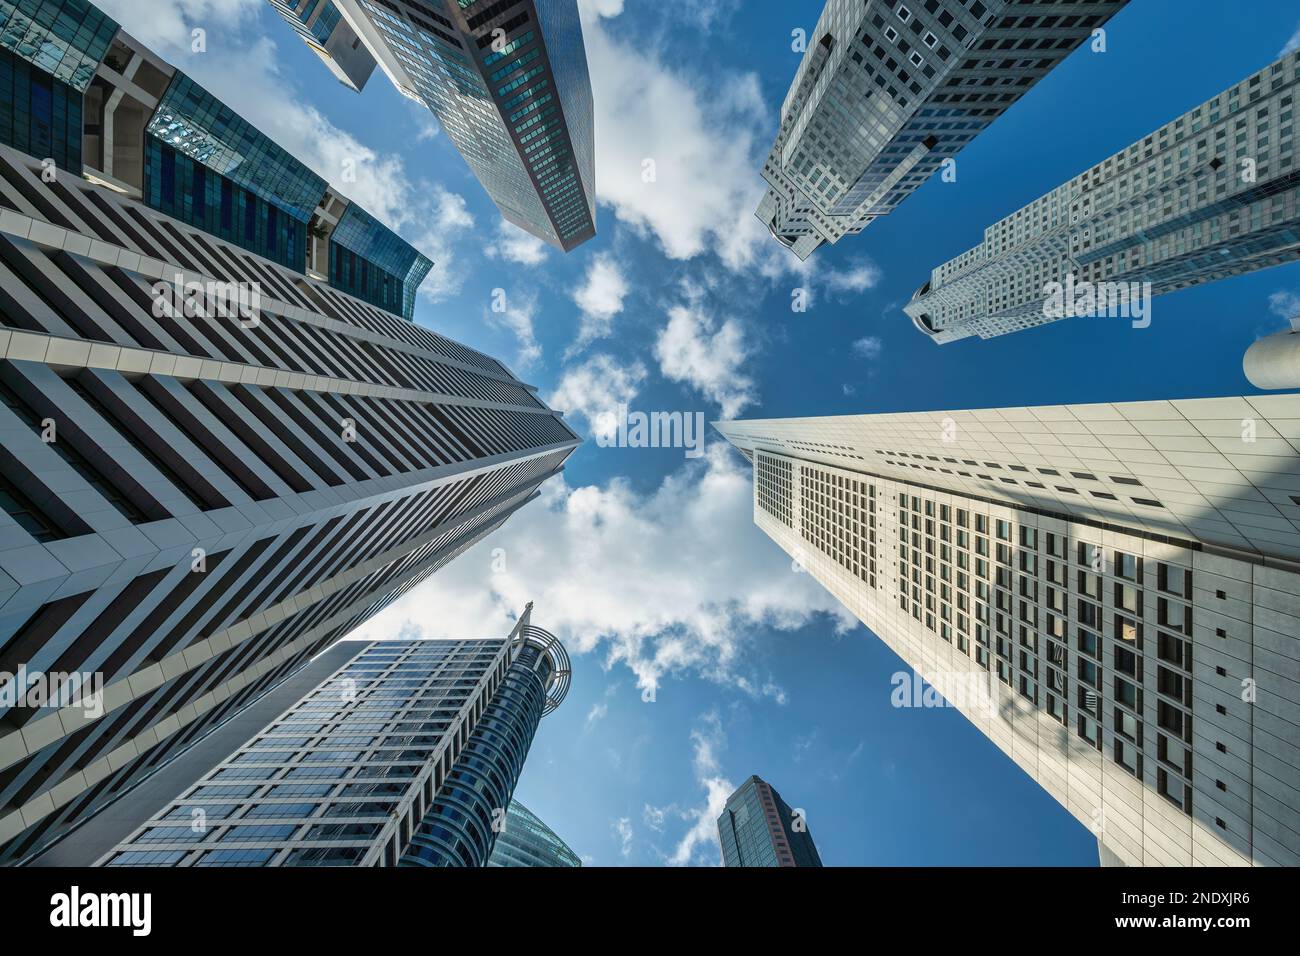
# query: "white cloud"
x,y
517,318
654,817
600,708
623,830
600,298
594,389
515,245
595,9
1285,304
697,350
848,389
1292,44
858,277
671,582
700,842
703,139
167,23
868,347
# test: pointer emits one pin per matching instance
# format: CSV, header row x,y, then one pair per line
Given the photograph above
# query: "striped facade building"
x,y
1110,593
407,754
202,490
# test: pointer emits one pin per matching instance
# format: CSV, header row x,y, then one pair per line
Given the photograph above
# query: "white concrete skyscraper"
x,y
890,89
1121,582
507,81
1211,194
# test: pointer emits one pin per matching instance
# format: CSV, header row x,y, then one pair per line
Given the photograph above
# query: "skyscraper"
x,y
758,828
1209,195
324,30
527,841
461,826
213,464
346,776
890,90
508,82
1108,592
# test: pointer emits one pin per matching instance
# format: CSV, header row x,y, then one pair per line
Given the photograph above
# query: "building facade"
x,y
1108,592
508,83
758,828
526,841
347,775
212,467
322,27
889,91
1209,195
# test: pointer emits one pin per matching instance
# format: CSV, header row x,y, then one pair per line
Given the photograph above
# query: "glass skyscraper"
x,y
200,494
890,90
462,825
758,828
508,81
1108,592
49,51
1211,194
406,733
527,841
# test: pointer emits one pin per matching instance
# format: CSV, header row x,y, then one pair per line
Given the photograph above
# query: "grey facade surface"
x,y
889,91
346,775
508,82
213,468
1211,194
757,829
323,29
1111,593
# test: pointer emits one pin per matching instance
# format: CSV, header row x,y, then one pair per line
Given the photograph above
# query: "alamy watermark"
x,y
624,429
971,692
58,689
1073,299
208,299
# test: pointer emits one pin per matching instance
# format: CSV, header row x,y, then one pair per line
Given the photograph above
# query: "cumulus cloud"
x,y
594,389
858,277
868,347
1285,305
696,349
516,316
670,582
677,158
514,245
600,299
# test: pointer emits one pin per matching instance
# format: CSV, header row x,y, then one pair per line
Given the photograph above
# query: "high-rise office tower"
x,y
213,464
349,774
508,82
527,841
323,28
758,828
1108,592
889,90
1209,195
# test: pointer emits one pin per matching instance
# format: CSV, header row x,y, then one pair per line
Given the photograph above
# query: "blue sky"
x,y
699,656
